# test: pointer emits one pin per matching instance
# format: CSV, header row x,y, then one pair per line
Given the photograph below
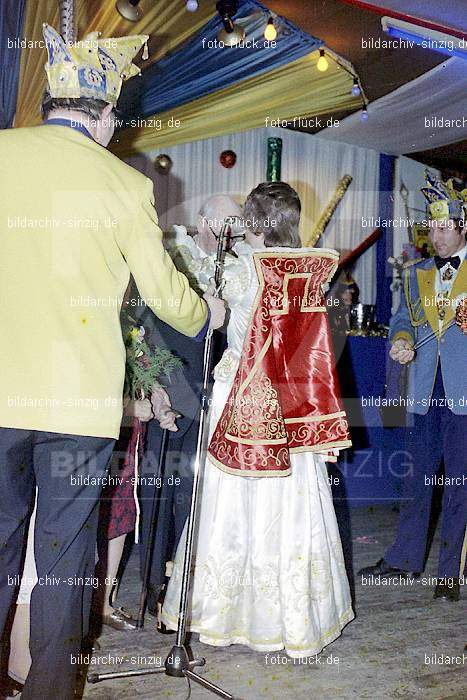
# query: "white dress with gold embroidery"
x,y
269,571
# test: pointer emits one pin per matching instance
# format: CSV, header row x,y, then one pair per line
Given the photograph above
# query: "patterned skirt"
x,y
118,508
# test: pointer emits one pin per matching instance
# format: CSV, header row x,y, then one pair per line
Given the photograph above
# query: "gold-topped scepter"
x,y
68,28
327,213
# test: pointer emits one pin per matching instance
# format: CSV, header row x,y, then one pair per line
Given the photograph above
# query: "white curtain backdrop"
x,y
310,164
427,112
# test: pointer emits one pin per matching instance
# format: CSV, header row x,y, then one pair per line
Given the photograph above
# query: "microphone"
x,y
236,227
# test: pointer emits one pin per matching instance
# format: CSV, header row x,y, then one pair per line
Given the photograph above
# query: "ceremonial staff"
x,y
67,20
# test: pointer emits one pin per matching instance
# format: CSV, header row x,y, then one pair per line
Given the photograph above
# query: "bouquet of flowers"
x,y
145,365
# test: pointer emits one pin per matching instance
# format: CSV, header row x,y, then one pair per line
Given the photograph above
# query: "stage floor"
x,y
391,650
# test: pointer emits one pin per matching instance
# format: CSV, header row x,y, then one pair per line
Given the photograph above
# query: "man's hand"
x,y
217,309
141,409
402,352
163,410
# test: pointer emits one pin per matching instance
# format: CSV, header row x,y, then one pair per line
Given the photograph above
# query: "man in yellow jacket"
x,y
75,221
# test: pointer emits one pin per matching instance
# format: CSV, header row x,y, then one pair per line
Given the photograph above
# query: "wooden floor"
x,y
395,648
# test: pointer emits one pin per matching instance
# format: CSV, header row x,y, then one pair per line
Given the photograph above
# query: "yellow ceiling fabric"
x,y
167,21
297,89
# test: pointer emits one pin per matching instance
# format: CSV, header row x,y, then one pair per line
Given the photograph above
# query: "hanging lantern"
x,y
129,10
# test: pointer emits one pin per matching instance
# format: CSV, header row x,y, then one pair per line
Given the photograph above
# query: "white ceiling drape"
x,y
427,112
310,164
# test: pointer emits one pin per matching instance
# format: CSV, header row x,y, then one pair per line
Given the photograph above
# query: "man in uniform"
x,y
74,222
436,401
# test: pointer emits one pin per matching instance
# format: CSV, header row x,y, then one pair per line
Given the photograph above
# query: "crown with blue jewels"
x,y
92,67
444,200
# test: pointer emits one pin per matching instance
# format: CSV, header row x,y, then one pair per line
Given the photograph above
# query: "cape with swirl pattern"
x,y
285,396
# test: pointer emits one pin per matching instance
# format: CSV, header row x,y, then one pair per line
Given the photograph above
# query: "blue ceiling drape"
x,y
200,67
11,24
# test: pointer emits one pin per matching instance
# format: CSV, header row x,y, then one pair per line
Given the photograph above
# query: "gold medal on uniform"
x,y
441,302
461,313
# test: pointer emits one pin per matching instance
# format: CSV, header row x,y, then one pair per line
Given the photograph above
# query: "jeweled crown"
x,y
444,200
91,67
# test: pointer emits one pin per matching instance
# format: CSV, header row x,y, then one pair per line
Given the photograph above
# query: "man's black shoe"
x,y
448,589
9,688
382,568
155,601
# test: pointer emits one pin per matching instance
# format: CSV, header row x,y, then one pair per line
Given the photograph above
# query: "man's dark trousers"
x,y
438,435
174,494
68,471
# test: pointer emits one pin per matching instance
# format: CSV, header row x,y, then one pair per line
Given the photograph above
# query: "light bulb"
x,y
270,32
364,115
192,5
355,88
322,64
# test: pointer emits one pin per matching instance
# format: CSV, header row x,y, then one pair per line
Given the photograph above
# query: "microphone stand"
x,y
178,663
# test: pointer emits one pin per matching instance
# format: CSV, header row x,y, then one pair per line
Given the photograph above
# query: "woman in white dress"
x,y
268,567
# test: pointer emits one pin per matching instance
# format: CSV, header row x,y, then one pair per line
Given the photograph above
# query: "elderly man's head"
x,y
211,218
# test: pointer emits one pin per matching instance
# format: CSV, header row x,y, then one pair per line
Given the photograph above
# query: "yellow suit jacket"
x,y
74,222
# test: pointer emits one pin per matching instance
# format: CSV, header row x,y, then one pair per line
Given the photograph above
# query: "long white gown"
x,y
268,568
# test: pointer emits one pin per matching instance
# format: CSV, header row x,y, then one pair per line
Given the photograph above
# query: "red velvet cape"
x,y
285,396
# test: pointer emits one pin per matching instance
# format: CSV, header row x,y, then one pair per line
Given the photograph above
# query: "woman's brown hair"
x,y
273,209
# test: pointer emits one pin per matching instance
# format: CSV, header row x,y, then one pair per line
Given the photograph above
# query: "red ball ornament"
x,y
228,159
